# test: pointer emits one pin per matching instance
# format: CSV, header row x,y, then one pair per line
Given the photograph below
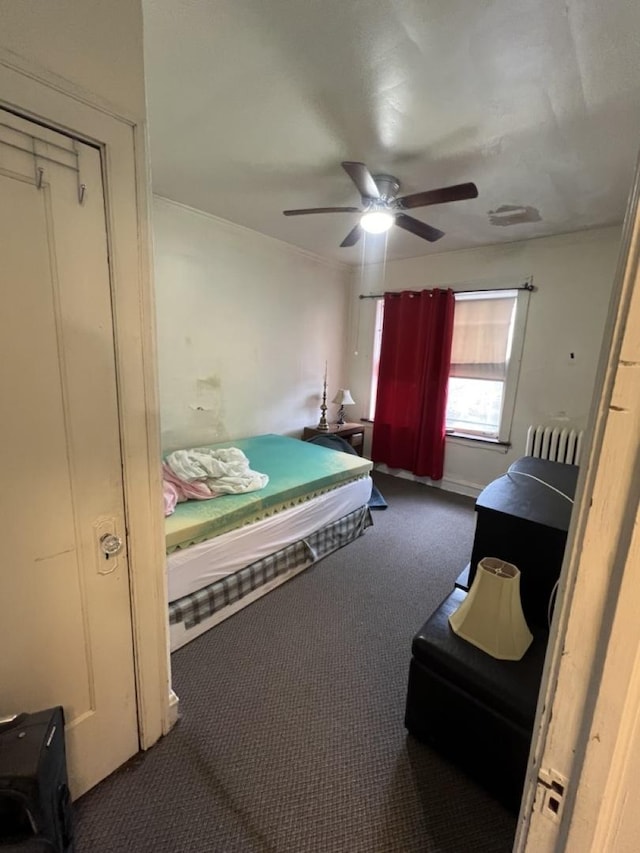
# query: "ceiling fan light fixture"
x,y
376,221
382,207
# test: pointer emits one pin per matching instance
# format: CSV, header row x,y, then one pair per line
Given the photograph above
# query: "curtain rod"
x,y
528,286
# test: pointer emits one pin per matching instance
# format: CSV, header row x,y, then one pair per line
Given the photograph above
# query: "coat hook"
x,y
39,174
82,188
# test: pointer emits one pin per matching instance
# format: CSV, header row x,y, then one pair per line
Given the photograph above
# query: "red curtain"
x,y
415,355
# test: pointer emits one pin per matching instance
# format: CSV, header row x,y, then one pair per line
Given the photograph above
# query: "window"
x,y
377,341
485,355
488,335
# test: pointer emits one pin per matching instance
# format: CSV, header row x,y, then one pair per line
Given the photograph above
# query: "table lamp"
x,y
491,616
343,398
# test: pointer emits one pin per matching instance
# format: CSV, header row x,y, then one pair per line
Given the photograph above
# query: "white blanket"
x,y
224,471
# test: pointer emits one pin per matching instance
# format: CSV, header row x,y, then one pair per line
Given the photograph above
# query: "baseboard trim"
x,y
459,487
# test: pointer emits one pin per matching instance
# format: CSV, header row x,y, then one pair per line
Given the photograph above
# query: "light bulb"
x,y
377,221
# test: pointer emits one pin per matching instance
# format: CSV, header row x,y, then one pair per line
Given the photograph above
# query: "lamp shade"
x,y
343,397
491,615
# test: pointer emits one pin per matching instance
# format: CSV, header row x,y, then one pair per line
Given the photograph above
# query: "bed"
x,y
225,553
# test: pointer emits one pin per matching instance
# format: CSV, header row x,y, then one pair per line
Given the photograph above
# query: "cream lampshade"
x,y
343,398
491,615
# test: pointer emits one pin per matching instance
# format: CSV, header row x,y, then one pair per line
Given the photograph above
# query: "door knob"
x,y
110,544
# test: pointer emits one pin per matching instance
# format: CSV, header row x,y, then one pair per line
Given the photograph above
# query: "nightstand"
x,y
353,433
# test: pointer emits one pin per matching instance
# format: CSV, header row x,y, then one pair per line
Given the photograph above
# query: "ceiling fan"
x,y
381,208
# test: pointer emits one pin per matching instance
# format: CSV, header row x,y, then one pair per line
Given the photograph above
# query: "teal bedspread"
x,y
297,471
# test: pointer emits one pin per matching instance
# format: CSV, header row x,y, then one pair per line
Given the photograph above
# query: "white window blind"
x,y
482,337
483,374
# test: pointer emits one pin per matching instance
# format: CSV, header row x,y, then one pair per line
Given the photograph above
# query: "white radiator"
x,y
560,444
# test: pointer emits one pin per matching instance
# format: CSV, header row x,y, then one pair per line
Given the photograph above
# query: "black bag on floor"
x,y
35,805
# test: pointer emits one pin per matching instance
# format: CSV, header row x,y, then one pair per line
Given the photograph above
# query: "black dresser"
x,y
474,709
522,518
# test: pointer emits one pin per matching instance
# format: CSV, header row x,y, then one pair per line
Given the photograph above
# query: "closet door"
x,y
65,622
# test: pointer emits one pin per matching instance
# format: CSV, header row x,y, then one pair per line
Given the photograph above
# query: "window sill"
x,y
478,441
468,440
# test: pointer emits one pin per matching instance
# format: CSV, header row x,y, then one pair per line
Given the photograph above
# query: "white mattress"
x,y
193,568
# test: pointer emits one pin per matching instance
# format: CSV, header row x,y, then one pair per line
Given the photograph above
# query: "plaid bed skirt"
x,y
193,608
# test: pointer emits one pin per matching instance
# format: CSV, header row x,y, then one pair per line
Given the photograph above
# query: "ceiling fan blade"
x,y
362,178
352,237
321,210
439,196
421,229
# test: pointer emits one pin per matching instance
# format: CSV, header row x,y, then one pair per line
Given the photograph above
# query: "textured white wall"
x,y
245,324
94,44
573,275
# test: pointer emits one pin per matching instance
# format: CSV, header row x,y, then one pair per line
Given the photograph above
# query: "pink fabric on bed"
x,y
170,495
176,490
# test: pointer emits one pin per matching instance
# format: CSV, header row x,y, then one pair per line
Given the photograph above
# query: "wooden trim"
x,y
586,719
251,233
42,97
481,441
69,89
459,487
142,472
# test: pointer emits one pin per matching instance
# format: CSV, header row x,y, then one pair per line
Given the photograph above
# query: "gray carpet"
x,y
291,735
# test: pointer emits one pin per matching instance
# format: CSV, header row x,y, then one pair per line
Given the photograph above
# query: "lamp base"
x,y
323,424
341,419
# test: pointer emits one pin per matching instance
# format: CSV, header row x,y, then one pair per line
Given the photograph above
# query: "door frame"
x,y
588,720
45,98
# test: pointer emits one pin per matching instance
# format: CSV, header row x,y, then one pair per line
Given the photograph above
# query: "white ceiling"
x,y
253,104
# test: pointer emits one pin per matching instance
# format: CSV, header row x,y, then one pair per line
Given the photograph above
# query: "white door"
x,y
65,613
